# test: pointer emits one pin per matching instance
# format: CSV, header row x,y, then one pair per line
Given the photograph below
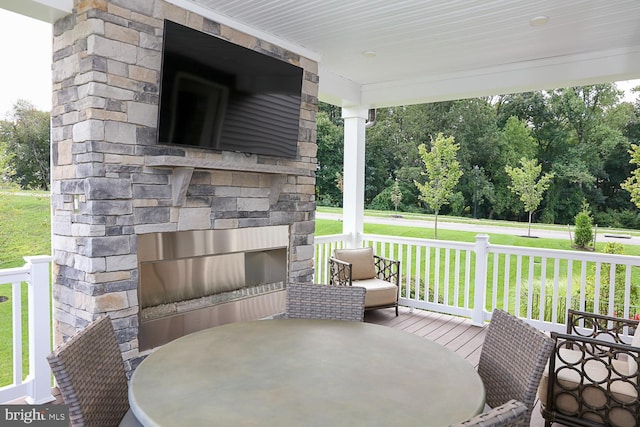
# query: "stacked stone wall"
x,y
106,76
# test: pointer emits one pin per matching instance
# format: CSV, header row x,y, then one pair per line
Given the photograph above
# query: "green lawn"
x,y
25,230
327,227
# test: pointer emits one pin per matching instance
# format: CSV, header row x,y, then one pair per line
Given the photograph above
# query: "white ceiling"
x,y
433,50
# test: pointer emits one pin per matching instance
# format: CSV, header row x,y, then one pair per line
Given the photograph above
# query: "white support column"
x,y
39,329
353,179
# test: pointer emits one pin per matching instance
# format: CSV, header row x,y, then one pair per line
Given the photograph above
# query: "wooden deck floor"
x,y
456,333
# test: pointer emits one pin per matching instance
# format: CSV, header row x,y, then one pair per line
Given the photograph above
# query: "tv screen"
x,y
218,95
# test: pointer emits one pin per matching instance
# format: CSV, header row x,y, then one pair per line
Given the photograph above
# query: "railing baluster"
x,y
543,288
627,292
612,289
556,288
518,284
530,286
447,271
467,278
505,288
427,273
494,282
456,280
16,296
596,291
418,271
436,278
583,286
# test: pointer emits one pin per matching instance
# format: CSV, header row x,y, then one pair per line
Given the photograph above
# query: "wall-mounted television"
x,y
218,95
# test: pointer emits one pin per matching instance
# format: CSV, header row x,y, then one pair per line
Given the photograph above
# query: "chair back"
x,y
311,301
512,360
90,374
511,414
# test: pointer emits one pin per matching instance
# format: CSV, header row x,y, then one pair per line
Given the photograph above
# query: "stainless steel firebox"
x,y
191,280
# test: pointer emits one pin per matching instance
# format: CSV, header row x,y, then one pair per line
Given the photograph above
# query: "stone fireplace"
x,y
114,190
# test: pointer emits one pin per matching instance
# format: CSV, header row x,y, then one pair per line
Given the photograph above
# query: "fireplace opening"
x,y
191,280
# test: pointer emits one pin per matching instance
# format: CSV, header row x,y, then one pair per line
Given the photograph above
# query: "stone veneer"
x,y
112,182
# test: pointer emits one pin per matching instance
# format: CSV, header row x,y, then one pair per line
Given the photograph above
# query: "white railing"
x,y
36,386
471,279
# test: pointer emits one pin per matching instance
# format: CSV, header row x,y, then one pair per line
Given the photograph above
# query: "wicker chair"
x,y
310,301
593,377
360,267
512,360
511,414
90,374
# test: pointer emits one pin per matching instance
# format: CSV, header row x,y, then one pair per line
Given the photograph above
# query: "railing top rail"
x,y
420,242
565,254
330,238
16,274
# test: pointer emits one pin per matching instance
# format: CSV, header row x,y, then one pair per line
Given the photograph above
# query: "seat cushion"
x,y
361,260
379,292
633,366
595,396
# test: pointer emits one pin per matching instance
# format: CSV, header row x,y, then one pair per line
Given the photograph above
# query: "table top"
x,y
304,372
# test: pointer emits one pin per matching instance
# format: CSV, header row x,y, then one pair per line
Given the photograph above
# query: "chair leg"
x,y
396,310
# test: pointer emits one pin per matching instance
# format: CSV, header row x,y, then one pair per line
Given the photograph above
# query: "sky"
x,y
25,63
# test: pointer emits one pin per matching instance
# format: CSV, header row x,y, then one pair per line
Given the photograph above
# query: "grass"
x,y
25,230
327,227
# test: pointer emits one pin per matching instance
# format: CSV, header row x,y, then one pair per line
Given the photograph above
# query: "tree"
x,y
27,138
6,169
584,228
396,194
515,141
632,184
442,171
330,160
525,183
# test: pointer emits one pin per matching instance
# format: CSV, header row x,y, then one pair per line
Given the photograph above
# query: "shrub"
x,y
584,229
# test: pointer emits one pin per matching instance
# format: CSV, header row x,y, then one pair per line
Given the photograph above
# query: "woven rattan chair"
x,y
310,301
512,360
593,377
511,414
90,374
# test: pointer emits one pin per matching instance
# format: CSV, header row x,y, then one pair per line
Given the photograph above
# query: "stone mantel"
x,y
182,170
208,164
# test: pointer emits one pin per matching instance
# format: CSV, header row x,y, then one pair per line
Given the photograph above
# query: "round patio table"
x,y
302,372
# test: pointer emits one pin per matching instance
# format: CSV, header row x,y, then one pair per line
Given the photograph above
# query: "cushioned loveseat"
x,y
592,377
360,267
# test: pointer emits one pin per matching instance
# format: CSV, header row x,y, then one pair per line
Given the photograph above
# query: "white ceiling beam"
x,y
571,70
43,10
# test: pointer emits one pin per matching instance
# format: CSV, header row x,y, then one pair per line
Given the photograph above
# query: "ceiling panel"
x,y
431,50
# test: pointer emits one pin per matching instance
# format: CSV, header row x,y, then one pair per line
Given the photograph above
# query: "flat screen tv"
x,y
218,95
